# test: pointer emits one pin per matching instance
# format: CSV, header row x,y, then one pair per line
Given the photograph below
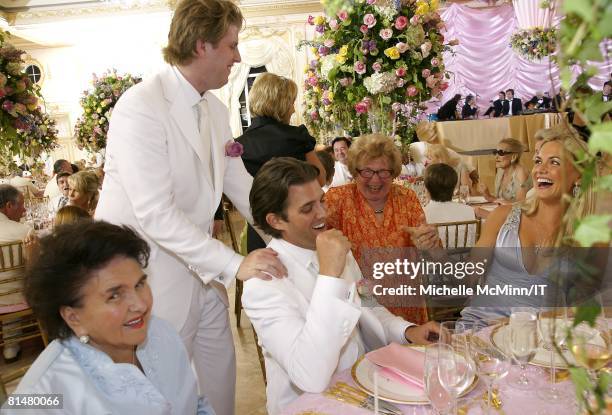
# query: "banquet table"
x,y
515,402
479,136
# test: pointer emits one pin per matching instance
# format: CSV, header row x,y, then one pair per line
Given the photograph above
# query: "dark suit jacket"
x,y
517,106
267,138
448,111
545,102
467,111
498,104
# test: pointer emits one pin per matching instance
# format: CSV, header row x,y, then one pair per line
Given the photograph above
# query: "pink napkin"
x,y
402,364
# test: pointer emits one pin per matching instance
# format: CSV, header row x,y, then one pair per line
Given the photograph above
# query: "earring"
x,y
576,190
84,339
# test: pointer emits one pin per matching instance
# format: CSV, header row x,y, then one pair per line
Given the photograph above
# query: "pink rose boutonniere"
x,y
233,149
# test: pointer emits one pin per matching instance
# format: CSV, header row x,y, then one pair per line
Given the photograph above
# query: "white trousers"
x,y
208,339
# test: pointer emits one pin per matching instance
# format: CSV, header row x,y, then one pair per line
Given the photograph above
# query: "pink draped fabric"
x,y
485,64
530,14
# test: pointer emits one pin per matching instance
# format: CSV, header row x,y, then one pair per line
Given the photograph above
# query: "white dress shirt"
x,y
312,325
342,175
444,212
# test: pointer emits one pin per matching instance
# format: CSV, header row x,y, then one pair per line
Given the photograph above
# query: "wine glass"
x,y
440,399
523,342
492,364
456,370
552,330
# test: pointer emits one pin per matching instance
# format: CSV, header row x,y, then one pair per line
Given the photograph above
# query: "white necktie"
x,y
204,128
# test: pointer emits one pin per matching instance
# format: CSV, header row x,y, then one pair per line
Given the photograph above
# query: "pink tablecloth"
x,y
515,402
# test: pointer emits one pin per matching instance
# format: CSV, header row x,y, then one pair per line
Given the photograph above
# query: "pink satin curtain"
x,y
485,64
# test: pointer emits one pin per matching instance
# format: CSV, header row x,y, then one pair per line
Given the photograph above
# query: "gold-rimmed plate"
x,y
500,338
390,389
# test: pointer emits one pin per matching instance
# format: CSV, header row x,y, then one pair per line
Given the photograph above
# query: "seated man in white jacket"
x,y
310,324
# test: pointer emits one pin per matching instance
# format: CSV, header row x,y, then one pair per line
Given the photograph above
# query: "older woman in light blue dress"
x,y
109,356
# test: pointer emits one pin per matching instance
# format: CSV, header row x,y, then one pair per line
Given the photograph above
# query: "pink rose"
x,y
361,107
312,81
411,91
363,29
7,106
345,82
2,93
360,67
233,149
311,20
435,62
333,24
402,47
425,73
443,86
369,20
401,22
343,15
414,20
329,43
314,115
377,67
400,72
386,33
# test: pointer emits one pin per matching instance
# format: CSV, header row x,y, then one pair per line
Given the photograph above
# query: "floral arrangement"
x,y
92,127
373,65
535,43
25,128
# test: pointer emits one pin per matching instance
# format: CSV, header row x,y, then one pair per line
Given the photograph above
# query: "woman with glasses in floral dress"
x,y
373,212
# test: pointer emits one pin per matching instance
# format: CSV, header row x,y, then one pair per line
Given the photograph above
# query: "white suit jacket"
x,y
158,181
305,324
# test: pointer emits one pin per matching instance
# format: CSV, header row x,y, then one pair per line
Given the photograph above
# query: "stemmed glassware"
x,y
523,342
440,399
458,367
552,329
492,364
464,193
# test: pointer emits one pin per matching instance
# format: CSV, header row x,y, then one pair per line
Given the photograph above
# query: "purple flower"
x,y
233,149
320,28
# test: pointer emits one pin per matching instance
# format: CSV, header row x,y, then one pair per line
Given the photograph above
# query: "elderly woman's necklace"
x,y
379,211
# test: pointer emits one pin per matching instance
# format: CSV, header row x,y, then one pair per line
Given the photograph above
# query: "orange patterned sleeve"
x,y
332,205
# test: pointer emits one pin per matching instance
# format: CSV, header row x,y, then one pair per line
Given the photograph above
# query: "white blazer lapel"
x,y
182,114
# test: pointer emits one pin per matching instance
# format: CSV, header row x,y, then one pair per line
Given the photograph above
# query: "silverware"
x,y
355,397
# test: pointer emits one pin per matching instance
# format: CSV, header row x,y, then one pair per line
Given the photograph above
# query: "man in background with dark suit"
x,y
514,105
498,104
540,101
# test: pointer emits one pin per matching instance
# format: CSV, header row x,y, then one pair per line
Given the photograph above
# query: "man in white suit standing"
x,y
310,324
167,164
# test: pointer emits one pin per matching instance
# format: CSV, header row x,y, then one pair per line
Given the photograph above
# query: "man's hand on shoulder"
x,y
332,248
263,264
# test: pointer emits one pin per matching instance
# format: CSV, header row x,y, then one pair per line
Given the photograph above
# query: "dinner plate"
x,y
389,389
500,337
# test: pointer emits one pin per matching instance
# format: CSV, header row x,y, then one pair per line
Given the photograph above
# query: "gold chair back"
x,y
463,234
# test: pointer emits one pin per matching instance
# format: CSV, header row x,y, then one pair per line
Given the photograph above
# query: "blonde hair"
x,y
575,207
272,96
370,147
426,132
437,153
193,20
515,146
70,214
86,182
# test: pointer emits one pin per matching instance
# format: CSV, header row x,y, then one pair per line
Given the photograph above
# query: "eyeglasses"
x,y
502,152
369,173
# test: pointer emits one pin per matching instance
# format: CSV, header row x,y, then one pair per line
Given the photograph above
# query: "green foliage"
x,y
594,229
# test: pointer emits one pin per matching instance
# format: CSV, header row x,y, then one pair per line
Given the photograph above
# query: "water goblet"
x,y
492,364
523,342
552,329
440,399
